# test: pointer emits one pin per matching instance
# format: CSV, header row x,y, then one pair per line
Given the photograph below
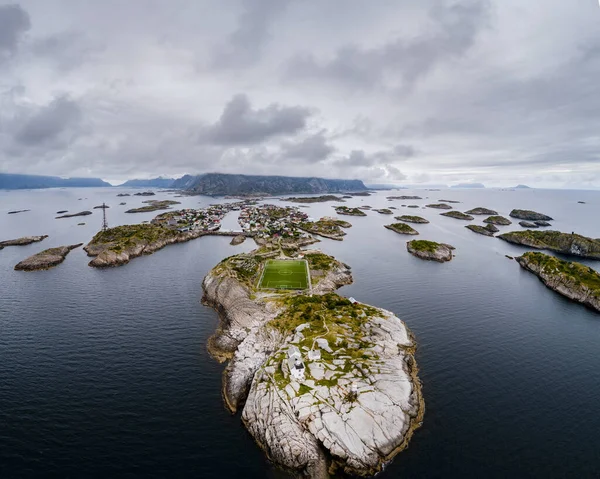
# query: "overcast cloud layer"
x,y
393,91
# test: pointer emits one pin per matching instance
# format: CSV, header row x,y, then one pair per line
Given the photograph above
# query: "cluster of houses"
x,y
272,221
204,219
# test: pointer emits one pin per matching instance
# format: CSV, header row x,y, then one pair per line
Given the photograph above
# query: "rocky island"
x,y
154,205
528,224
17,211
327,384
46,259
529,215
344,210
570,244
439,206
81,213
411,219
481,211
487,230
430,250
314,199
458,215
327,227
24,241
498,220
402,228
404,198
576,281
384,211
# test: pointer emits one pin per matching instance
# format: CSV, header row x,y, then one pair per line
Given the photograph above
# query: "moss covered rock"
x,y
571,244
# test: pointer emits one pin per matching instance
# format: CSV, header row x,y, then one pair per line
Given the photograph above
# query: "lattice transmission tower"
x,y
104,222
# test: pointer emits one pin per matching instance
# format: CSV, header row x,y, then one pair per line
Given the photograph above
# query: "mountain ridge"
x,y
218,184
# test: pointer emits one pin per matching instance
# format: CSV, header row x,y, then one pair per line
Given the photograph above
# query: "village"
x,y
264,221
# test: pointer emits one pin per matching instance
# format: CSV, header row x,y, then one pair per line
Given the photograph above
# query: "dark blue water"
x,y
105,372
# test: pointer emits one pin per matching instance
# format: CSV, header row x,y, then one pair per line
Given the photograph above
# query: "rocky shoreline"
x,y
46,259
314,426
570,244
430,250
24,241
573,280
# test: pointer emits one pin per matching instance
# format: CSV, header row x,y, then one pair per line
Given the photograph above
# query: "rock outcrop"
x,y
154,205
81,213
239,239
438,206
315,199
46,259
117,246
458,215
529,215
430,250
576,281
404,197
359,399
327,227
570,244
344,210
488,230
498,220
481,211
412,219
528,224
24,241
402,228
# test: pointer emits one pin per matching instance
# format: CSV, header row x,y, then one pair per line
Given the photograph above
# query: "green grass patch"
x,y
284,274
424,245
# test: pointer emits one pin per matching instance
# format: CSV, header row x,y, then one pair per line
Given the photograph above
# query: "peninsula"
x,y
570,244
315,372
573,280
327,227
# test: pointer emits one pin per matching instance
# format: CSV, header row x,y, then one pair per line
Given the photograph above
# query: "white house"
x,y
295,363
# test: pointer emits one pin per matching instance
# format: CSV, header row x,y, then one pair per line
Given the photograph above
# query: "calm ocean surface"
x,y
104,373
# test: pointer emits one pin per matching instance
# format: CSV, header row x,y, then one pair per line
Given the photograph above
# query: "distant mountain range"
x,y
217,184
153,183
468,185
10,181
212,184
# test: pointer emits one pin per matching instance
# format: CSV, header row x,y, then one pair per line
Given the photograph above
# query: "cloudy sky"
x,y
388,91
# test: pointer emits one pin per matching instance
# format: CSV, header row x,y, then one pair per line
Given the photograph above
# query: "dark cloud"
x,y
14,22
404,60
239,124
50,125
243,47
313,149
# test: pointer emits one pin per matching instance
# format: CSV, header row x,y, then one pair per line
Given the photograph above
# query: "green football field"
x,y
284,274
